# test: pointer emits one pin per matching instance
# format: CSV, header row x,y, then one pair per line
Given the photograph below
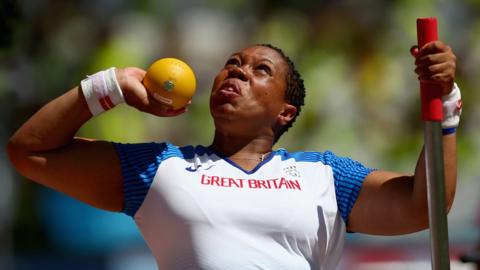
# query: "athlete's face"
x,y
248,92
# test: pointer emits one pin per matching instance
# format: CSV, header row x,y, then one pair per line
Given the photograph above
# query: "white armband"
x,y
452,109
102,91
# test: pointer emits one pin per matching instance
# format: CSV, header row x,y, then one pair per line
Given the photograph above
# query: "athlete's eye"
x,y
232,62
265,69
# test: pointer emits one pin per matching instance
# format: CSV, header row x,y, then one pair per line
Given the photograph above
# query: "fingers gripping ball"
x,y
171,82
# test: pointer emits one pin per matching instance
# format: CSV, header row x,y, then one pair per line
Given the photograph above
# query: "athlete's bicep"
x,y
85,169
384,205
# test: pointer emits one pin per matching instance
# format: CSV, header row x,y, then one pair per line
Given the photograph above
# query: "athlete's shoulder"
x,y
190,151
140,162
307,156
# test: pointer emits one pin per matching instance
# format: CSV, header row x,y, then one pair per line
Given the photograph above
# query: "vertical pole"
x,y
432,116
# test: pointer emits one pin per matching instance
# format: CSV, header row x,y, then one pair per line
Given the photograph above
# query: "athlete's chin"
x,y
225,111
221,107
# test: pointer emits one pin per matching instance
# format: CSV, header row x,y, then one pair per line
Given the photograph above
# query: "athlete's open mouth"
x,y
230,86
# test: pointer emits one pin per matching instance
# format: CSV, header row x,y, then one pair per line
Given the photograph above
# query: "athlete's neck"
x,y
236,146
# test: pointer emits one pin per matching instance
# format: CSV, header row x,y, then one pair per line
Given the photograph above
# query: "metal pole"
x,y
436,196
432,116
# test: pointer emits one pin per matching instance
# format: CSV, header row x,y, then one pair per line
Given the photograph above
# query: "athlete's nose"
x,y
238,72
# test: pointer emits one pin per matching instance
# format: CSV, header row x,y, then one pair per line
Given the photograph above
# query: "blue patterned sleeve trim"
x,y
348,176
139,163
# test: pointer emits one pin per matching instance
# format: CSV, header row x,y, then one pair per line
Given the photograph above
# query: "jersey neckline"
x,y
234,164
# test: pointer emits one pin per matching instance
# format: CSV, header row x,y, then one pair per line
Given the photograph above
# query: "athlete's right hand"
x,y
135,94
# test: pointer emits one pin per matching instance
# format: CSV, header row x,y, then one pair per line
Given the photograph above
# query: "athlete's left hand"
x,y
435,63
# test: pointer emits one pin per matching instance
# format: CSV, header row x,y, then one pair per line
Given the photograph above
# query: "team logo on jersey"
x,y
292,171
194,169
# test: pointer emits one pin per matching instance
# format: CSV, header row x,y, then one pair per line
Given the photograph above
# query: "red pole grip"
x,y
430,93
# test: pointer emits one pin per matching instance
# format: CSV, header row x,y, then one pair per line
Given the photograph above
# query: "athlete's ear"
x,y
287,114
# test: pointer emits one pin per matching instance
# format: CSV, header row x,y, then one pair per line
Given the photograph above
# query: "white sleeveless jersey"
x,y
198,210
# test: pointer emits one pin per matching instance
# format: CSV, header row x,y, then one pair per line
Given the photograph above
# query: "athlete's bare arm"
x,y
45,150
393,203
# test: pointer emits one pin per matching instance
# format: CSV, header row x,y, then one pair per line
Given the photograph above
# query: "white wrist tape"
x,y
102,91
452,108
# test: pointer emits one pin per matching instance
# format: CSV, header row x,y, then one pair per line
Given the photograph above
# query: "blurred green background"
x,y
362,101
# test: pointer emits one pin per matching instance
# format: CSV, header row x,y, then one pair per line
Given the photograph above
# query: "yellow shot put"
x,y
171,82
